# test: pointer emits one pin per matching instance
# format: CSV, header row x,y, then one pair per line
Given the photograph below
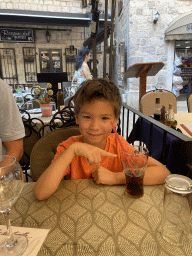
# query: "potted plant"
x,y
44,98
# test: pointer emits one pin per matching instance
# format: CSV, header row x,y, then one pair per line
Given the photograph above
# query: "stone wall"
x,y
59,39
145,40
71,6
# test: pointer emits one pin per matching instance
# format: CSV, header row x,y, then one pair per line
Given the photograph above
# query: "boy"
x,y
96,153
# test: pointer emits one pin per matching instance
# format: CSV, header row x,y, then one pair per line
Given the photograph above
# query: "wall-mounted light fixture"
x,y
48,36
71,52
156,17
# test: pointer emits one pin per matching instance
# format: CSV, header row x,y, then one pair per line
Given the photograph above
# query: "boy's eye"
x,y
105,118
86,117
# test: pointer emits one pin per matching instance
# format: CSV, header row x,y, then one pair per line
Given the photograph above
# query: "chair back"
x,y
147,101
31,137
45,149
189,103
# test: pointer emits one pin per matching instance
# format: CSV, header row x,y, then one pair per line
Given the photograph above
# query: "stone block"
x,y
161,79
134,60
15,6
149,49
39,7
76,4
75,10
139,11
56,2
45,8
33,7
3,6
151,4
65,9
139,34
161,50
63,4
48,2
21,6
133,99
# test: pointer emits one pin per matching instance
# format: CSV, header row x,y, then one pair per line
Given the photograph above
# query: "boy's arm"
x,y
155,173
51,177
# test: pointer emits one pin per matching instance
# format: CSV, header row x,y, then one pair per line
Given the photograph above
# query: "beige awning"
x,y
180,28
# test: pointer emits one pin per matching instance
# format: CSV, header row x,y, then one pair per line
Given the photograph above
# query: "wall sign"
x,y
16,35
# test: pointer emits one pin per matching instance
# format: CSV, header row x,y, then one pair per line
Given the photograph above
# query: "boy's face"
x,y
94,121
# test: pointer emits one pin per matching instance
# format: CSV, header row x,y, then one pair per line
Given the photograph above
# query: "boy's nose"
x,y
94,125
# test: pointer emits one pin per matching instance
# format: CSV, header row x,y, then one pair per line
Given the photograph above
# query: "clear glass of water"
x,y
29,105
19,100
11,185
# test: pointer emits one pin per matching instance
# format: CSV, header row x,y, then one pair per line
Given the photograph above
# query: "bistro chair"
x,y
61,119
147,101
44,150
31,137
189,103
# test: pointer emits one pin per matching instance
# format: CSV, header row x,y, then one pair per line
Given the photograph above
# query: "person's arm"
x,y
155,173
14,148
51,177
86,71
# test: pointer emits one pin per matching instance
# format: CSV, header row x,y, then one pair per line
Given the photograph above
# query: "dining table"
x,y
183,118
85,218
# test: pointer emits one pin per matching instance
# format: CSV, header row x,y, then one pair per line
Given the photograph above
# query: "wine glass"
x,y
19,99
11,185
29,105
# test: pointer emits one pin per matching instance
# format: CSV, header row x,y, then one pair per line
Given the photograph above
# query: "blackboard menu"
x,y
16,35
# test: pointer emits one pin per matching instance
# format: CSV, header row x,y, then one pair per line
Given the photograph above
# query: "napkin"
x,y
35,238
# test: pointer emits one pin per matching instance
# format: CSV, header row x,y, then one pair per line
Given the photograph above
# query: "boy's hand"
x,y
103,176
92,153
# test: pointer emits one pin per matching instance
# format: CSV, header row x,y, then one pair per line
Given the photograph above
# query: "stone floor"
x,y
182,103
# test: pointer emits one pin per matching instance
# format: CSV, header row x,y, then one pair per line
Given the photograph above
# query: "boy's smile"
x,y
94,121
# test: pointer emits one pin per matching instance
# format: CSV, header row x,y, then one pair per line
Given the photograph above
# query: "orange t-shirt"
x,y
79,167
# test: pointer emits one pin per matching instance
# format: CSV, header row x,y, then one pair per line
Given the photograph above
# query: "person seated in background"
x,y
96,153
11,126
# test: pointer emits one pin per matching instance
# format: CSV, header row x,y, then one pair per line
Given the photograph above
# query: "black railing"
x,y
128,119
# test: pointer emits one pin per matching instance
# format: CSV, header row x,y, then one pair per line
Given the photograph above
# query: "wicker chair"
x,y
147,101
44,150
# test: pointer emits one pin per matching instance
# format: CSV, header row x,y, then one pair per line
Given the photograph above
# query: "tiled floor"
x,y
182,103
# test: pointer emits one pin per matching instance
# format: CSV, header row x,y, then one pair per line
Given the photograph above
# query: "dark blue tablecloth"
x,y
173,150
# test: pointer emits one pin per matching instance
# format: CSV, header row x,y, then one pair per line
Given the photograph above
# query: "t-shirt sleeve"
x,y
11,124
62,147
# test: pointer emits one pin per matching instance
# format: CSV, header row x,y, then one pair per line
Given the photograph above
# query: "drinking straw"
x,y
117,136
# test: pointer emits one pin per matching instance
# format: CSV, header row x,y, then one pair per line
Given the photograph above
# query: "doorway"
x,y
50,60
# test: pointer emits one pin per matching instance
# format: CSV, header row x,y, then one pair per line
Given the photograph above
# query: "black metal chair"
x,y
31,137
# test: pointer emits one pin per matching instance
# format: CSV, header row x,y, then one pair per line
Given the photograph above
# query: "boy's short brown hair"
x,y
99,88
